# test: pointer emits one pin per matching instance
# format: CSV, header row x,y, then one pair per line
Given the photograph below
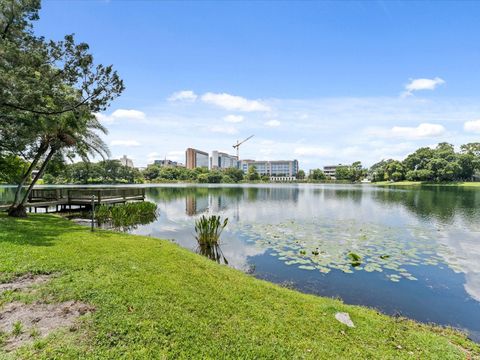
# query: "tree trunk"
x,y
20,210
25,177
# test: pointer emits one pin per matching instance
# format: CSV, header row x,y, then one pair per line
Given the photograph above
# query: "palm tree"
x,y
71,134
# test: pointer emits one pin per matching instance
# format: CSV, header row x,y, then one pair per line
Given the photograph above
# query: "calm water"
x,y
414,252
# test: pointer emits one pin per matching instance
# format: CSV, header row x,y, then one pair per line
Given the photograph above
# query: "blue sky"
x,y
323,82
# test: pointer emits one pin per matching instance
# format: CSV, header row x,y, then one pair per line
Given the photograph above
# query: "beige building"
x,y
125,161
330,170
195,158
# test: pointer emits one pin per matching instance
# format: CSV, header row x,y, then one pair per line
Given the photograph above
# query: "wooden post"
x,y
93,212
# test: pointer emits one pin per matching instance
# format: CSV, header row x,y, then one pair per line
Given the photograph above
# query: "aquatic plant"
x,y
355,259
209,229
349,246
126,216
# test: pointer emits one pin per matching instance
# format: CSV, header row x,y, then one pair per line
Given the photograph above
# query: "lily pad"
x,y
348,245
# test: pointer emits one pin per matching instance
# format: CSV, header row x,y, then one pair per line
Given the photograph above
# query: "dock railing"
x,y
80,195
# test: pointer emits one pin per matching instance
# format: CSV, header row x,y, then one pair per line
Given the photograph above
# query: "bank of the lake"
x,y
420,183
154,299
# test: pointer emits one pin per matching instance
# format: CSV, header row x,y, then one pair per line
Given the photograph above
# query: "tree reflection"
x,y
439,202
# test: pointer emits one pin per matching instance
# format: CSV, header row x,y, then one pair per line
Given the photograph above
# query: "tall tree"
x,y
471,148
317,174
49,92
252,173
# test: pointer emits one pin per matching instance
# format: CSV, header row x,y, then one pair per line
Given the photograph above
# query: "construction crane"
x,y
237,145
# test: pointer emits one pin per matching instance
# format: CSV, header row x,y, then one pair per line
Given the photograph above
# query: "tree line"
x,y
426,164
440,164
113,172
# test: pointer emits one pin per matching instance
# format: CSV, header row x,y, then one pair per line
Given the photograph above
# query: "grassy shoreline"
x,y
420,183
154,299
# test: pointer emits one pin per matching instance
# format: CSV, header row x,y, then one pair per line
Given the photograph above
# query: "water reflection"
x,y
442,222
213,252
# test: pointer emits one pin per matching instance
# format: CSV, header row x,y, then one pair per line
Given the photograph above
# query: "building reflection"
x,y
195,204
223,199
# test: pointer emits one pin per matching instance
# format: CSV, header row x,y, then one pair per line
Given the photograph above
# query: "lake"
x,y
413,252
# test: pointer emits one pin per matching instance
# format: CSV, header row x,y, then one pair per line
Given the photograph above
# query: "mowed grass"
x,y
155,300
418,183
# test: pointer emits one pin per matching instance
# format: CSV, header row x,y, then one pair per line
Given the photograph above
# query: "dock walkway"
x,y
63,198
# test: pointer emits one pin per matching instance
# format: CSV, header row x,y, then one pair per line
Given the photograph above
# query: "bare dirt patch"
x,y
24,282
23,323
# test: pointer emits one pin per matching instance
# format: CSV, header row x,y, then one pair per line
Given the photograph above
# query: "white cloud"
x,y
234,118
232,102
120,114
472,126
102,118
224,129
273,123
176,155
312,151
152,156
424,130
128,114
422,84
125,143
184,95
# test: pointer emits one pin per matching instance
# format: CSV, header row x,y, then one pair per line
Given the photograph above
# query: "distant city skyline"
x,y
321,82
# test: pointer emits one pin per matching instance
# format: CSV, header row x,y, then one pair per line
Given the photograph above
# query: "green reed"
x,y
209,229
126,216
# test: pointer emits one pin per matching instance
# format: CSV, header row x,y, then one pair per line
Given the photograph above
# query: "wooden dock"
x,y
65,198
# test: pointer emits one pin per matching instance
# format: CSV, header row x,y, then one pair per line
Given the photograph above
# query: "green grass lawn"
x,y
417,183
154,299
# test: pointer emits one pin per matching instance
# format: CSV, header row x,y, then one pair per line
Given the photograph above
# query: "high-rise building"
x,y
275,168
125,161
220,160
195,158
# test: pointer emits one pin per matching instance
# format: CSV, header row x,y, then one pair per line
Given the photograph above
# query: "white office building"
x,y
286,169
220,160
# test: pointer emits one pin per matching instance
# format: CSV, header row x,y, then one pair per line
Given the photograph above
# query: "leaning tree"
x,y
49,93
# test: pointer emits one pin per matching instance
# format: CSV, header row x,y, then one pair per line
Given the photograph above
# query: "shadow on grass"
x,y
35,230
